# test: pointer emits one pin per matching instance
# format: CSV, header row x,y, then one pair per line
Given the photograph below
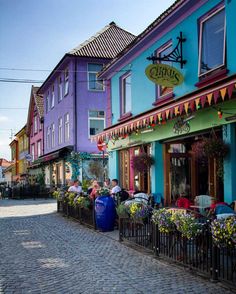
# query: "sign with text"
x,y
164,75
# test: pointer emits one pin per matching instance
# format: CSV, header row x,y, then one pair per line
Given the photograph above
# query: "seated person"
x,y
115,188
75,188
107,183
94,192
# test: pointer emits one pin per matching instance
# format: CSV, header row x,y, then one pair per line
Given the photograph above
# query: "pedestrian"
x,y
75,188
115,188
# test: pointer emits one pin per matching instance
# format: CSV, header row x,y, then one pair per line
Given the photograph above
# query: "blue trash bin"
x,y
105,213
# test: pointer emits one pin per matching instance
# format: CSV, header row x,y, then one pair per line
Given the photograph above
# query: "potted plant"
x,y
142,161
224,232
187,225
163,218
123,211
103,192
83,202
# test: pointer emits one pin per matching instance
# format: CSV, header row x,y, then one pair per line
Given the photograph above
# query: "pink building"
x,y
34,130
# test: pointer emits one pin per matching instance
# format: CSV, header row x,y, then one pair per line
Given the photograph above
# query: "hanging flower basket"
x,y
142,162
215,148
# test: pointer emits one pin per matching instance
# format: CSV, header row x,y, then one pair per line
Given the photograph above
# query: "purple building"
x,y
75,102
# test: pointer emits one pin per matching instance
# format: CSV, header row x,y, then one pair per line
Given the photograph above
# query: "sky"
x,y
35,35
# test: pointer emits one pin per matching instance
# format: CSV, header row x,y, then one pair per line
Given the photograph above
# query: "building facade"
x,y
75,102
23,150
34,131
15,160
154,113
4,164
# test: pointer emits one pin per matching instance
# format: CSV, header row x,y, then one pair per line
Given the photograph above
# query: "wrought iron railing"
x,y
199,253
85,216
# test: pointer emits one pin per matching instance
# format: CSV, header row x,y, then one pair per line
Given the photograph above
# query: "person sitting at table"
x,y
115,188
107,183
94,192
75,188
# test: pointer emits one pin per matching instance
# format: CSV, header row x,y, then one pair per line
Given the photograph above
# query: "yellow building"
x,y
23,148
15,160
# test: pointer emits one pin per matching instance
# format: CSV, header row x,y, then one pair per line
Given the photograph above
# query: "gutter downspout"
x,y
75,105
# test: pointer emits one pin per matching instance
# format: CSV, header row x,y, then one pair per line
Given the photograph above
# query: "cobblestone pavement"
x,y
42,252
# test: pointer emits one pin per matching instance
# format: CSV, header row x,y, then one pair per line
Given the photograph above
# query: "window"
x,y
47,103
94,83
53,97
59,89
48,137
165,50
31,130
212,42
40,125
35,124
32,152
39,148
126,94
96,122
67,127
53,135
66,89
60,130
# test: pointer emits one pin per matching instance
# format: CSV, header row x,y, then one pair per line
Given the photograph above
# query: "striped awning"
x,y
182,106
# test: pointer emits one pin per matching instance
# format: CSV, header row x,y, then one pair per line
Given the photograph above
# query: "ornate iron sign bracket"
x,y
175,56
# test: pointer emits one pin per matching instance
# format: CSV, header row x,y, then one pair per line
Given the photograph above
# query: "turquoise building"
x,y
188,128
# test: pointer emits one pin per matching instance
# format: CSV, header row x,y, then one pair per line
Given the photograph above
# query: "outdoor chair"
x,y
203,202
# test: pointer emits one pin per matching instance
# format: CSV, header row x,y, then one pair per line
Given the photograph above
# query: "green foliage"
x,y
75,159
103,191
188,226
163,218
224,232
56,194
70,197
85,184
123,211
83,202
96,168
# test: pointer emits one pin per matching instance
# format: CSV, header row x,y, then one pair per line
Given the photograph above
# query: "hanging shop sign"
x,y
164,75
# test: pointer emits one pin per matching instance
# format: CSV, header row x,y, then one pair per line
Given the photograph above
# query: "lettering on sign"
x,y
164,75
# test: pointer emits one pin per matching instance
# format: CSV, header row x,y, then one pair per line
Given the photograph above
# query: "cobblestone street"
x,y
43,252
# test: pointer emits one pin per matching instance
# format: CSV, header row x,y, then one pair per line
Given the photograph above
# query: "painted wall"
x,y
143,90
87,100
60,109
230,164
38,136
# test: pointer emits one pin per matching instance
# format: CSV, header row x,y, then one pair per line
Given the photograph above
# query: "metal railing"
x,y
85,216
199,253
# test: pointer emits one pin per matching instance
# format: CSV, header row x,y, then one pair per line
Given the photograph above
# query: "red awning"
x,y
182,106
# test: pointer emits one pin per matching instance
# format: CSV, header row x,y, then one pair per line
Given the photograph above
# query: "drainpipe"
x,y
75,105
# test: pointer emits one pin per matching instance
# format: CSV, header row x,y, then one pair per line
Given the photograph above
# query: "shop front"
x,y
188,172
131,178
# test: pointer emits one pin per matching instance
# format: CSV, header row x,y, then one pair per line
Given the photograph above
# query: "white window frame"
x,y
67,127
39,148
66,82
95,72
95,118
35,124
123,79
53,135
60,131
60,90
53,98
200,43
33,151
47,103
48,137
